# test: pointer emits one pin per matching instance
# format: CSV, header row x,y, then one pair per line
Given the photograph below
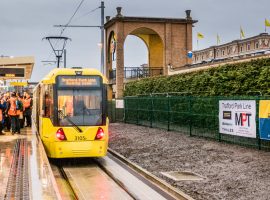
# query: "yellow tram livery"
x,y
70,113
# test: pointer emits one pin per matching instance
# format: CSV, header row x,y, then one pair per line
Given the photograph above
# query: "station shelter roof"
x,y
17,68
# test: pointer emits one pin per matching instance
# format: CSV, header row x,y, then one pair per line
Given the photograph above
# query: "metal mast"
x,y
102,7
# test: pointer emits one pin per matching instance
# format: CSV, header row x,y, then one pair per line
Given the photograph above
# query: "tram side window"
x,y
49,101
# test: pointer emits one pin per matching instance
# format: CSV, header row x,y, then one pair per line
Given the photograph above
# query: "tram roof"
x,y
18,63
50,78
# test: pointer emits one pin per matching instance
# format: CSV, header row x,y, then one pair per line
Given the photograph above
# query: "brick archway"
x,y
168,41
154,43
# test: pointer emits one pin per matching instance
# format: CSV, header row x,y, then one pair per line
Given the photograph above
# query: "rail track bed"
x,y
110,177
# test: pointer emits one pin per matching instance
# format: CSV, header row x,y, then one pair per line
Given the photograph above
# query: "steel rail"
x,y
73,189
65,177
158,185
174,192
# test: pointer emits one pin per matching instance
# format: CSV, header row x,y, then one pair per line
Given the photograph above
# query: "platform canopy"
x,y
16,67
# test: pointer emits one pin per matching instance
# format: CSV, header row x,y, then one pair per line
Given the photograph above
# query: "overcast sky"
x,y
23,24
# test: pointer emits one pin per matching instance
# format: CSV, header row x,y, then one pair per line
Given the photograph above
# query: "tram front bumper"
x,y
65,149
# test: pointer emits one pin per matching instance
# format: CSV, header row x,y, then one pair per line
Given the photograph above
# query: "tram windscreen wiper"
x,y
69,120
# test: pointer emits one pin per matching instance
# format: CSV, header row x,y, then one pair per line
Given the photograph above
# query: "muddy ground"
x,y
230,171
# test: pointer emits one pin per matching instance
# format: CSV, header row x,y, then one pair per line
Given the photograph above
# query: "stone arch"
x,y
154,44
145,47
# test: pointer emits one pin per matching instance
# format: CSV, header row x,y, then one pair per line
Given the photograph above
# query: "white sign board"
x,y
119,103
237,117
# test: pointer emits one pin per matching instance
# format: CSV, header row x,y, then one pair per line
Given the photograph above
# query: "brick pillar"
x,y
108,59
188,35
155,48
167,47
108,64
119,59
188,42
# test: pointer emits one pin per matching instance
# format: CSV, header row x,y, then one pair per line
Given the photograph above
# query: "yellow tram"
x,y
70,113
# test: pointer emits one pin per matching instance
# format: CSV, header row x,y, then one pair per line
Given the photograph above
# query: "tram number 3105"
x,y
80,138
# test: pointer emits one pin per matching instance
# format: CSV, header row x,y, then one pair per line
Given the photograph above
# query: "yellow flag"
x,y
267,22
218,39
242,34
200,36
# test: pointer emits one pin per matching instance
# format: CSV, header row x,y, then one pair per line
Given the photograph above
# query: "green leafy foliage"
x,y
227,80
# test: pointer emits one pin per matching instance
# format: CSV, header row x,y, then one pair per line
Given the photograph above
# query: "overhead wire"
x,y
78,7
85,14
69,21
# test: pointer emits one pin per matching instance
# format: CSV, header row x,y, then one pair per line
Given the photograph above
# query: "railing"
x,y
194,116
138,72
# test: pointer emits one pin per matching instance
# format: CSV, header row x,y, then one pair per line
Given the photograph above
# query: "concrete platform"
x,y
41,184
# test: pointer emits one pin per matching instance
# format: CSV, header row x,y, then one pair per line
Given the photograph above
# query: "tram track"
x,y
153,181
78,176
18,180
74,194
111,177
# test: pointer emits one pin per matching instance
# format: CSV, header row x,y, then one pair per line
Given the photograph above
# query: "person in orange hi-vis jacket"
x,y
12,112
2,107
27,105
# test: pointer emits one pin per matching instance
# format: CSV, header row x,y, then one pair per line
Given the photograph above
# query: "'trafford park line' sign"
x,y
237,117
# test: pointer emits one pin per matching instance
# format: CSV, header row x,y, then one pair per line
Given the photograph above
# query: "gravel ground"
x,y
230,171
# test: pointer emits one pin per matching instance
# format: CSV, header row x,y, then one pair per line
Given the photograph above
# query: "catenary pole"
x,y
102,37
65,58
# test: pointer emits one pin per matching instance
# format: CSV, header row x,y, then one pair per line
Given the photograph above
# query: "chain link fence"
x,y
194,116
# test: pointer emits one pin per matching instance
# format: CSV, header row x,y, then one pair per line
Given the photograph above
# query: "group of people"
x,y
15,112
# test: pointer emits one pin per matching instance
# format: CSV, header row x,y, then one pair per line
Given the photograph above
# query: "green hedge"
x,y
227,80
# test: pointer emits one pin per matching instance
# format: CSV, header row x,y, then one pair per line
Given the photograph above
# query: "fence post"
x,y
115,110
257,123
112,111
137,111
190,116
219,135
168,111
125,114
151,112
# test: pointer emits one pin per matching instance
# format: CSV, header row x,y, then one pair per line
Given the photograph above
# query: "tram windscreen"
x,y
80,106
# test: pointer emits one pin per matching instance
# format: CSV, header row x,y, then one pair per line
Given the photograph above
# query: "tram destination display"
x,y
12,72
79,81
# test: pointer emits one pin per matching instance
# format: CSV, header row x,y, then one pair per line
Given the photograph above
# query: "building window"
x,y
248,47
223,52
241,48
257,45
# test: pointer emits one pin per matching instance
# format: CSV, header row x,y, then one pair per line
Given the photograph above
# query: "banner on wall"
x,y
237,117
264,121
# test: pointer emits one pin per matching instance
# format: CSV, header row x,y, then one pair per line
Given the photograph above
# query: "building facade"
x,y
237,49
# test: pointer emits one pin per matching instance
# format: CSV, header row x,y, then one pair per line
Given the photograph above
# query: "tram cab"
x,y
71,115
